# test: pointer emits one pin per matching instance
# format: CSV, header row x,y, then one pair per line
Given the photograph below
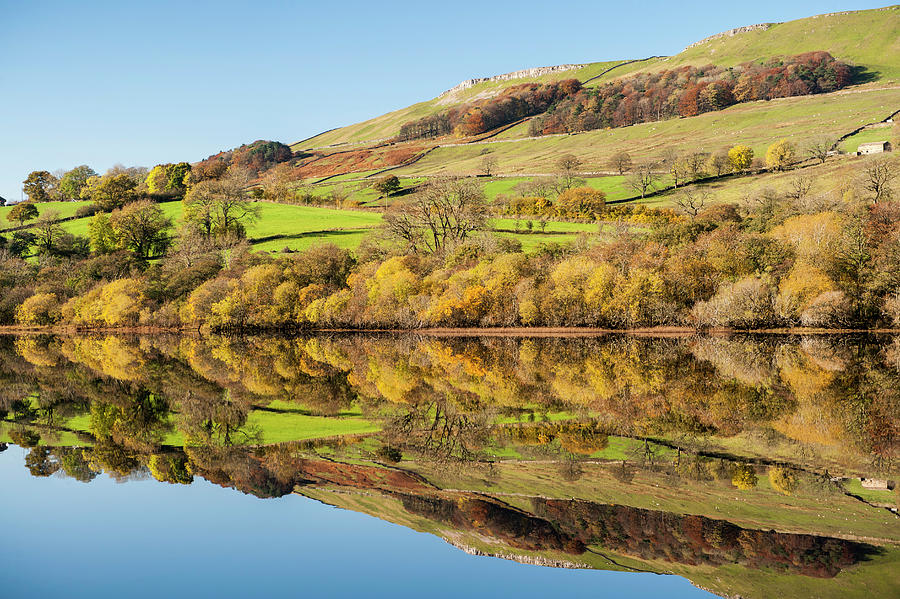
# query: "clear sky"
x,y
100,83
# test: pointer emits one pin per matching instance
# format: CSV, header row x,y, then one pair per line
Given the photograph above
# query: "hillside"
x,y
868,39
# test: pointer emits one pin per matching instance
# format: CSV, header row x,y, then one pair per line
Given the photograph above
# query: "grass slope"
x,y
869,38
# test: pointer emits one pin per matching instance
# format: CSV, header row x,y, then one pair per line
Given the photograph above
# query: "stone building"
x,y
873,147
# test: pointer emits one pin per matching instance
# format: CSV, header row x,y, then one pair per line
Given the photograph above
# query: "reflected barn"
x,y
733,461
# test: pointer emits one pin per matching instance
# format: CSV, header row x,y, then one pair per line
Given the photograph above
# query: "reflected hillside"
x,y
743,463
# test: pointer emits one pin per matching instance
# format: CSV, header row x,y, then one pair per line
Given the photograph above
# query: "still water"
x,y
401,465
143,539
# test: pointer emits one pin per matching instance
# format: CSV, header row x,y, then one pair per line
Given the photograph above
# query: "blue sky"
x,y
100,83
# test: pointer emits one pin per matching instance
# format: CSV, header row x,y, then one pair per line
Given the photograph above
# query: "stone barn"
x,y
873,147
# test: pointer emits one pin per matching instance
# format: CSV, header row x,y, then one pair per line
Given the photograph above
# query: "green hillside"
x,y
868,38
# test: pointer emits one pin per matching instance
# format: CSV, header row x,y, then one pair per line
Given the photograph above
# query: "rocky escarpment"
x,y
535,72
732,33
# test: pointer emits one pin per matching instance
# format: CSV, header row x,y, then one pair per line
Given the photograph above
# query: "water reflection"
x,y
648,454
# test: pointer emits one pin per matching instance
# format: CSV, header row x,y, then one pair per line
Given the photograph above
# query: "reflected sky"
x,y
141,538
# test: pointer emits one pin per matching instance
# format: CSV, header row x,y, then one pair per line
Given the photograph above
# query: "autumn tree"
x,y
73,181
443,213
621,162
674,163
743,476
695,164
21,212
141,228
110,191
642,178
279,182
581,202
40,186
540,187
168,179
740,157
780,155
799,186
387,185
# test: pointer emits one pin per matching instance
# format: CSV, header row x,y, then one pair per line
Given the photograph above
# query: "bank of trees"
x,y
822,258
689,91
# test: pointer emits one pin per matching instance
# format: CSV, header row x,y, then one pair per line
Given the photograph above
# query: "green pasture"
x,y
65,210
851,144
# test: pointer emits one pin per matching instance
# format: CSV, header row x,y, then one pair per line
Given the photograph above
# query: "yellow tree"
x,y
780,155
740,157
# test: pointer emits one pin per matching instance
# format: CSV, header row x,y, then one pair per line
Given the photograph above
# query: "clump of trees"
x,y
256,157
513,103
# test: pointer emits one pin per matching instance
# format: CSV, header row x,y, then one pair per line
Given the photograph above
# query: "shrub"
x,y
783,480
744,304
39,309
743,476
828,310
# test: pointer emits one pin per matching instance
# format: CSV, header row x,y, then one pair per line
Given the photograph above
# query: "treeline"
x,y
513,103
689,91
566,107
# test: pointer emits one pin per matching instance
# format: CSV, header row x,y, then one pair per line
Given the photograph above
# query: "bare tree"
x,y
719,163
695,164
674,163
642,178
567,167
820,147
692,201
877,176
799,186
540,187
444,212
621,162
488,164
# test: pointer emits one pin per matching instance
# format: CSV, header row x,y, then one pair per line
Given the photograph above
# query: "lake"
x,y
404,464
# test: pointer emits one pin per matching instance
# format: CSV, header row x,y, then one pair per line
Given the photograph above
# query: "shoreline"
x,y
668,331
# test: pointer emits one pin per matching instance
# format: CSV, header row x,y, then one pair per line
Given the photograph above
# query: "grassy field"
x,y
279,226
757,124
65,209
613,186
